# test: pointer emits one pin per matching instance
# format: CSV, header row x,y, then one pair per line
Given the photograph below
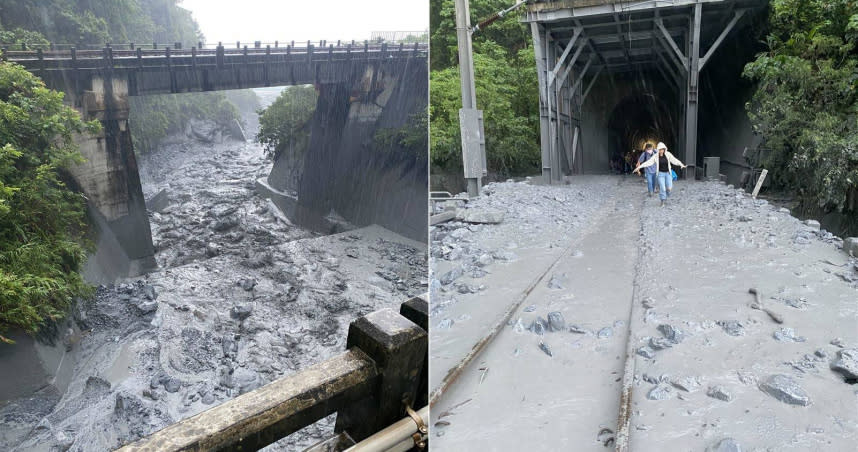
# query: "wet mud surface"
x,y
241,298
670,286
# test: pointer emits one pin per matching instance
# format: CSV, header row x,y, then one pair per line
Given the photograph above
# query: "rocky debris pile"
x,y
464,250
240,298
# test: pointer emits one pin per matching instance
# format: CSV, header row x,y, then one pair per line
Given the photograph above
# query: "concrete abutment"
x,y
109,177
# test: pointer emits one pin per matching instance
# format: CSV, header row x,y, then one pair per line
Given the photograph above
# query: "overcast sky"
x,y
300,20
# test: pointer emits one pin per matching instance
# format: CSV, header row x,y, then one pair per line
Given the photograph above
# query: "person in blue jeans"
x,y
663,162
650,171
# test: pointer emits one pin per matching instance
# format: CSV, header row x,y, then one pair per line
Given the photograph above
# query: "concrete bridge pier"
x,y
109,177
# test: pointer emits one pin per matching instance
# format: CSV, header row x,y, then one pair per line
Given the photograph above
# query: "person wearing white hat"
x,y
663,162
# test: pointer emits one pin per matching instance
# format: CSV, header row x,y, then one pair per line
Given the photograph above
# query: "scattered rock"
x,y
147,307
745,218
530,308
479,215
545,348
247,284
212,249
539,326
670,333
159,202
687,384
660,343
557,282
718,392
451,276
787,335
813,224
485,260
240,312
445,324
785,389
556,322
172,385
578,329
725,445
847,363
660,392
149,292
225,224
646,352
732,327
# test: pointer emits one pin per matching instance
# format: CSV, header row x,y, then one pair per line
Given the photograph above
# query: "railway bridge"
x,y
98,83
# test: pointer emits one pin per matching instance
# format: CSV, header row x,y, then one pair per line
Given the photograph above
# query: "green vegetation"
x,y
284,125
42,222
152,118
805,102
506,85
96,22
411,137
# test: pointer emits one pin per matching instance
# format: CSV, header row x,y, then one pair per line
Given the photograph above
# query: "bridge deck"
x,y
157,71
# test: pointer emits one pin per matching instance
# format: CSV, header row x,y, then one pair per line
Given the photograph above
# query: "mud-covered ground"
x,y
667,287
241,297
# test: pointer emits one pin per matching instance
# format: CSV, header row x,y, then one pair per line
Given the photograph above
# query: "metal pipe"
x,y
397,437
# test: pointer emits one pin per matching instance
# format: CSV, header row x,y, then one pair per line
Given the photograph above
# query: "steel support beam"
x,y
566,51
736,16
581,76
669,39
572,62
691,94
542,77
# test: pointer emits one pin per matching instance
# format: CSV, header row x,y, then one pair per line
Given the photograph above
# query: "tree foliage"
x,y
284,125
97,22
154,117
805,102
506,89
42,222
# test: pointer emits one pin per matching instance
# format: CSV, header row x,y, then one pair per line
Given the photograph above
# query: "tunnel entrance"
x,y
639,119
614,75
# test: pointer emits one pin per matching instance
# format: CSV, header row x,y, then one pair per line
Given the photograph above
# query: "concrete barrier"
x,y
368,386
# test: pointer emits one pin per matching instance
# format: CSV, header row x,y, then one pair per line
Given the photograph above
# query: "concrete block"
x,y
398,347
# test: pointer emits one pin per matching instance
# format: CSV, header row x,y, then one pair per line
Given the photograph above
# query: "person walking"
x,y
650,171
663,162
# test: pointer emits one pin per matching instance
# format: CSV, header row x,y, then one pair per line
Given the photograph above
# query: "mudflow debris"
x,y
240,299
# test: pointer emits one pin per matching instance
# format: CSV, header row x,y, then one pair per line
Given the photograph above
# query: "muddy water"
x,y
688,265
241,298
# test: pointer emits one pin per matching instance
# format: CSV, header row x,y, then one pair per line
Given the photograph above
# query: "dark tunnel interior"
x,y
640,118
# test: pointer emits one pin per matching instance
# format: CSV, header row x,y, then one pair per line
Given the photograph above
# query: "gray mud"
x,y
668,285
241,298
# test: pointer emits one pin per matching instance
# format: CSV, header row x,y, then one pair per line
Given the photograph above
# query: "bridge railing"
x,y
383,370
218,57
394,38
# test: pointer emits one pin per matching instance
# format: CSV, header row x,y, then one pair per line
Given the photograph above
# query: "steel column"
x,y
542,76
691,95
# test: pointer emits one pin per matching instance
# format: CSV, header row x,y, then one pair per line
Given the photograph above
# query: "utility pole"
x,y
471,119
469,116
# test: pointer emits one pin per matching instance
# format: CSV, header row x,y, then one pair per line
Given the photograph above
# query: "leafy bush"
x,y
283,126
805,102
42,221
